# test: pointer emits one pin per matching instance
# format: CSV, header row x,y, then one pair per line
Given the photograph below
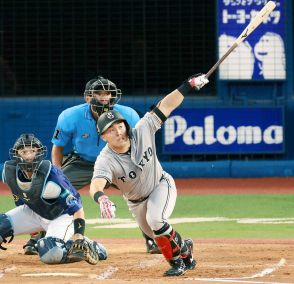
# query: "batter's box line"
x,y
261,274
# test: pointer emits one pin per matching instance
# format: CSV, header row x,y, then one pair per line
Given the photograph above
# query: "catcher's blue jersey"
x,y
49,193
77,127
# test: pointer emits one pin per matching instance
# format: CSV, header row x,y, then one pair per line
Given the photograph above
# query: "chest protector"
x,y
33,196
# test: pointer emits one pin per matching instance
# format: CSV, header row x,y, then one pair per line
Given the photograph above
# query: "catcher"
x,y
45,200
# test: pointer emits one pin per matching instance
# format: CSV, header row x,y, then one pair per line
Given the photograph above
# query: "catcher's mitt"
x,y
87,249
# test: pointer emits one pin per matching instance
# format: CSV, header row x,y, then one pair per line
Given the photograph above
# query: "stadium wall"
x,y
39,115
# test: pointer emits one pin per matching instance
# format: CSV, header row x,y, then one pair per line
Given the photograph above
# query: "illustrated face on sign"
x,y
271,52
240,63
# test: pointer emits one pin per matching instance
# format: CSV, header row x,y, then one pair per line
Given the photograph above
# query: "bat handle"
x,y
218,63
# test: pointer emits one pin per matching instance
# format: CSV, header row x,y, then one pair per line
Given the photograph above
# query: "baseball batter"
x,y
129,161
45,200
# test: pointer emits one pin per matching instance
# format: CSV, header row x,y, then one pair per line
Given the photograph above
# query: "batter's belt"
x,y
144,198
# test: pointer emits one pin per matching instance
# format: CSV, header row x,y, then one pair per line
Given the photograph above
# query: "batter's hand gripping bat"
x,y
256,21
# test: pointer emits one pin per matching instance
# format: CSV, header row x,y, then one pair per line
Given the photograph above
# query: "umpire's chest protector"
x,y
33,196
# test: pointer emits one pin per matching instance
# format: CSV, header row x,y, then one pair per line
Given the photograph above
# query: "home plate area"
x,y
219,261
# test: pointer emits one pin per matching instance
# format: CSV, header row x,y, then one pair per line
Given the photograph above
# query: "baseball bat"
x,y
254,23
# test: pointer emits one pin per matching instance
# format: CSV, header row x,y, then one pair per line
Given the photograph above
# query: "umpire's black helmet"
x,y
107,119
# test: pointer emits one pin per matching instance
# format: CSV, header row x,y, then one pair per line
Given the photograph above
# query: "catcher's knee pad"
x,y
52,250
6,229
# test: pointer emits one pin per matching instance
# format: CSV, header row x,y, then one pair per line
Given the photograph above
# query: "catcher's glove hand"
x,y
89,250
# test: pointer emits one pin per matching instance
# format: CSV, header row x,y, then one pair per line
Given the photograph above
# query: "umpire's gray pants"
x,y
78,171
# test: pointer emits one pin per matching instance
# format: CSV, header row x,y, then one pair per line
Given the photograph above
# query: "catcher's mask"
x,y
94,88
30,143
107,119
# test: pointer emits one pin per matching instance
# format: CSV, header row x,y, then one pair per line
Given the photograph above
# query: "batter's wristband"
x,y
97,195
185,88
79,226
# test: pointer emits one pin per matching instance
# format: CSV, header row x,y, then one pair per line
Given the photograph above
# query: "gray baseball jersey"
x,y
139,175
136,175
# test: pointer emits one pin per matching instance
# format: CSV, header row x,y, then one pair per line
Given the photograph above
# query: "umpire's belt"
x,y
139,200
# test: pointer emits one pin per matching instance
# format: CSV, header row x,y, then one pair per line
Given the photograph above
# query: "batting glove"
x,y
107,207
198,81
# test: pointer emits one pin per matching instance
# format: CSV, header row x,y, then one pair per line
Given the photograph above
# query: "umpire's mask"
x,y
104,94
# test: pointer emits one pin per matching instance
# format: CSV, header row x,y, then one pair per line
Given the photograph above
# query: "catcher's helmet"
x,y
102,84
28,140
107,119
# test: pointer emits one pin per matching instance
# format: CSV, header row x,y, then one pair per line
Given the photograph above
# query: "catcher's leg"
x,y
170,243
54,250
6,230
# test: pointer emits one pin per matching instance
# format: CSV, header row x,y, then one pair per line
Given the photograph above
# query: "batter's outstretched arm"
x,y
175,98
97,184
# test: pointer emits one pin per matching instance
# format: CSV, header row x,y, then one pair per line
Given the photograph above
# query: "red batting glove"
x,y
107,207
198,82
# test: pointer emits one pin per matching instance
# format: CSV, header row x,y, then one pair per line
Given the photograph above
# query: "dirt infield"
x,y
219,260
237,261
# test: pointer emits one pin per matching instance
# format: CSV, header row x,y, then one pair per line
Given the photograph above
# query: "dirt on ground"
x,y
218,261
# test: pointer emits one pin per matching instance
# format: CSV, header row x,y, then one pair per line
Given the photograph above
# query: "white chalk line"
x,y
121,223
245,279
233,281
106,274
42,274
3,271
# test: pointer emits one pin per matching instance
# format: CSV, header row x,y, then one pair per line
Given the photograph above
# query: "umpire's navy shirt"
x,y
77,127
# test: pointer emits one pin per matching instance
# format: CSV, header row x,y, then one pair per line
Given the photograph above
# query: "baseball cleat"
x,y
30,248
177,268
189,261
152,247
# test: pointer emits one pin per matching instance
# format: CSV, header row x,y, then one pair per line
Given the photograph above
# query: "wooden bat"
x,y
255,22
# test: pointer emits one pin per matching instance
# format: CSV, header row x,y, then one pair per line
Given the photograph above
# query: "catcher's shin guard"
x,y
52,250
6,230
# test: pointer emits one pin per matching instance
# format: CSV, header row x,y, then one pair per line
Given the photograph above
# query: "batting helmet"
x,y
28,140
107,119
102,84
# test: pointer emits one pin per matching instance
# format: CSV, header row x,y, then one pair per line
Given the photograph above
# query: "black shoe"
x,y
30,248
177,268
152,247
189,261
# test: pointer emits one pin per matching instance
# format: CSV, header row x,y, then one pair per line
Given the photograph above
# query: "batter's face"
x,y
117,138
